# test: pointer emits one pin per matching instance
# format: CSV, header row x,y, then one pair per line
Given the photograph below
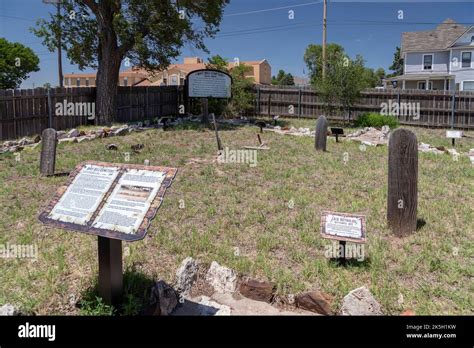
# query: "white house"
x,y
439,59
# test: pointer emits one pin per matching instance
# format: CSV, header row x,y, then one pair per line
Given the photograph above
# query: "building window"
x,y
427,61
78,82
422,85
468,86
181,81
125,81
87,82
165,81
174,80
466,59
472,39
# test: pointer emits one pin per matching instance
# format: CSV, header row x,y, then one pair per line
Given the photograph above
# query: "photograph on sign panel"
x,y
238,157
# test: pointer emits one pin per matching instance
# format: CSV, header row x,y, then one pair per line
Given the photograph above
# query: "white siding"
x,y
414,62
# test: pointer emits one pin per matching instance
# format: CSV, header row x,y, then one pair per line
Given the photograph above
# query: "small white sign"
x,y
454,134
209,84
341,226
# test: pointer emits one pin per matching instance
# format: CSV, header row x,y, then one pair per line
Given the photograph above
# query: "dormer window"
x,y
472,39
427,62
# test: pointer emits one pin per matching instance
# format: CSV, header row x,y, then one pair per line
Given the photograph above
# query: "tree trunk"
x,y
109,58
107,82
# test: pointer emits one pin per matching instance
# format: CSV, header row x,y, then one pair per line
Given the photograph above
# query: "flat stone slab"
x,y
240,305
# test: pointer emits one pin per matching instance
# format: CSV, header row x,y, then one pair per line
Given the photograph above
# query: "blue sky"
x,y
253,30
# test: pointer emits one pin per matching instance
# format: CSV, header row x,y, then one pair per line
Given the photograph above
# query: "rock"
x,y
257,290
221,278
73,133
137,147
111,147
82,133
37,139
385,129
186,275
407,312
61,134
66,140
9,310
201,306
360,301
163,299
25,141
240,305
314,301
453,152
81,139
441,148
121,131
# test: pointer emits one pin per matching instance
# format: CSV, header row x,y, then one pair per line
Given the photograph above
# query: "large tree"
x,y
345,77
283,79
144,33
16,63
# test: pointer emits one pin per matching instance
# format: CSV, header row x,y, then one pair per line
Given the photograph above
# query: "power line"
x,y
272,9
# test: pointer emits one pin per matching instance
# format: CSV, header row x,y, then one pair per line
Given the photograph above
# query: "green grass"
x,y
372,119
234,205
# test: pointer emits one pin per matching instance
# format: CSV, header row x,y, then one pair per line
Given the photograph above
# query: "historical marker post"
x,y
402,182
109,189
48,152
110,270
205,110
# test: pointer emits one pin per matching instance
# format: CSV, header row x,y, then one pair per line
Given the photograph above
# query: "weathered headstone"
x,y
321,133
48,152
402,182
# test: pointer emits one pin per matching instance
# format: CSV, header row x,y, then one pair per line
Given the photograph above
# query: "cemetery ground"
x,y
262,221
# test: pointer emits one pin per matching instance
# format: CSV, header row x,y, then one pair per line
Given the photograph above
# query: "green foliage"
x,y
242,96
95,306
283,79
372,119
397,65
16,63
345,78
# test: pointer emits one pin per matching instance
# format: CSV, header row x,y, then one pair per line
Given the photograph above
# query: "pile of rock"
x,y
72,136
301,132
371,136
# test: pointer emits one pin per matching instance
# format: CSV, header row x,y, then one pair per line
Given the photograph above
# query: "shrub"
x,y
372,119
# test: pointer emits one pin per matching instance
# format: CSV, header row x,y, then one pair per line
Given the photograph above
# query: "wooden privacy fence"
x,y
437,108
28,111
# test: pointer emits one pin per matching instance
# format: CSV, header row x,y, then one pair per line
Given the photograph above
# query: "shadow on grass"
x,y
353,263
136,294
420,223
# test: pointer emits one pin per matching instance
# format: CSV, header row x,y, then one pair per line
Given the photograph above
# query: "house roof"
x,y
432,40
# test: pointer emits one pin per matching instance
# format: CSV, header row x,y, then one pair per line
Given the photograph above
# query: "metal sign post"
x,y
110,270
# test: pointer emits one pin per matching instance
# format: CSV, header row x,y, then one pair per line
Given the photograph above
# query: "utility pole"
x,y
324,37
60,60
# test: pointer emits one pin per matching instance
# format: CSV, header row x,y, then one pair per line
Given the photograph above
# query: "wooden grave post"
x,y
48,152
402,182
205,111
219,144
321,133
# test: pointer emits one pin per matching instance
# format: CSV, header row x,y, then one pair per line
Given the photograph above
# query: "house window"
x,y
427,61
78,82
466,59
125,81
87,82
422,85
165,81
472,39
468,86
174,80
181,81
